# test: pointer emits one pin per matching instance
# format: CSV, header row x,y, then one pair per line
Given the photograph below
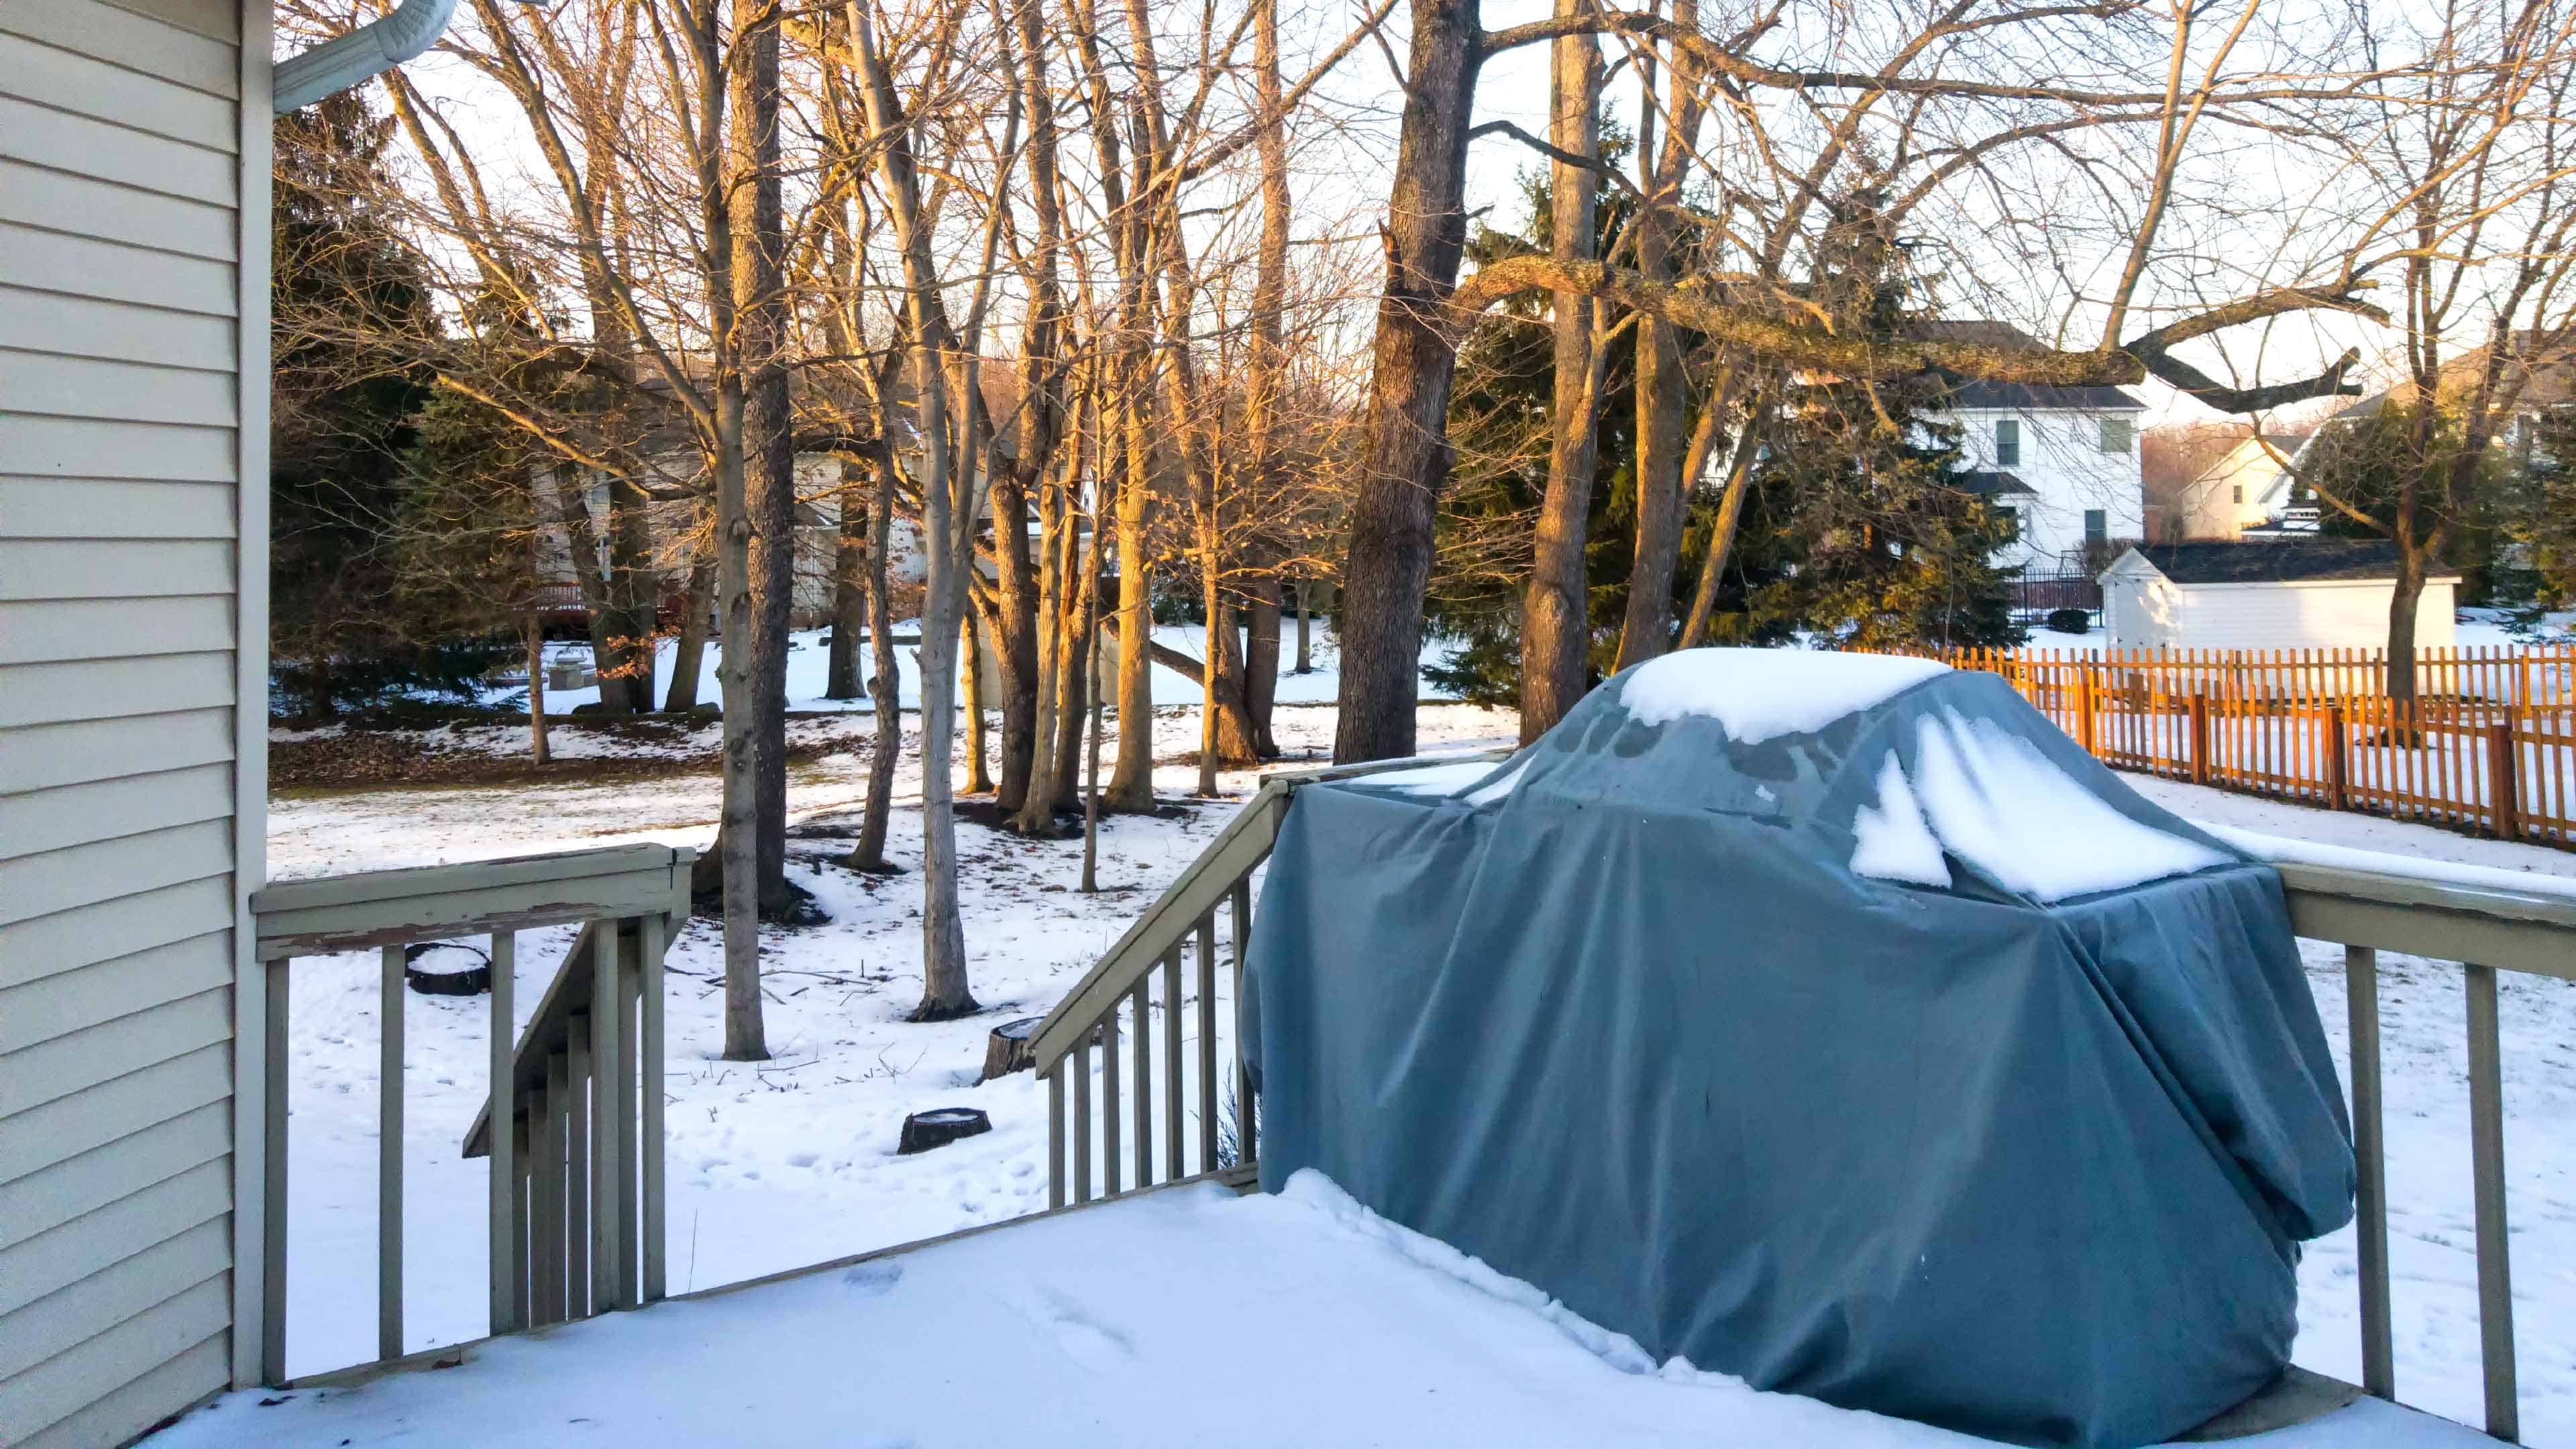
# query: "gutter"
x,y
359,56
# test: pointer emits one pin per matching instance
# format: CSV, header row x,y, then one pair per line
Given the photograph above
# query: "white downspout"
x,y
363,53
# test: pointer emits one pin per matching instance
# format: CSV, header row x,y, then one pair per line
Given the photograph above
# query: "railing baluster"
x,y
1172,1094
2486,1156
505,1228
272,1297
546,1196
2370,1225
578,1127
523,1166
651,1225
1080,1144
389,1158
1111,1170
1144,1084
612,1191
1207,1042
1055,1136
1247,1125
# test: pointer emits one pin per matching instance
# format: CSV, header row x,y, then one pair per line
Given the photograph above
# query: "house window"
x,y
2007,442
2097,526
2117,435
2239,491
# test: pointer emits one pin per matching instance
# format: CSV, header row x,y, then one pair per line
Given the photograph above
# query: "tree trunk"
x,y
1305,640
2403,598
1261,664
1663,393
689,650
849,592
1556,629
581,549
1131,784
948,541
754,271
1015,637
1404,452
979,779
885,688
537,688
1730,509
633,588
769,442
1038,797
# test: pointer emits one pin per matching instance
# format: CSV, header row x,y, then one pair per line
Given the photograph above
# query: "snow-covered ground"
x,y
809,660
1187,1317
791,1162
2476,629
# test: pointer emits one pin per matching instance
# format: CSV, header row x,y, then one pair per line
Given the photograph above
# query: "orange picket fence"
x,y
2487,745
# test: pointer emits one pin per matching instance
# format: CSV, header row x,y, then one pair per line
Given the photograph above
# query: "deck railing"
x,y
2484,929
1154,997
594,1042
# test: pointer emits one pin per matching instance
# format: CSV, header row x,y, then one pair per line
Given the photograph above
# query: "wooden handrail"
x,y
627,899
1218,883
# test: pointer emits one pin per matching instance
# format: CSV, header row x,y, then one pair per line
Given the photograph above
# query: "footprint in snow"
x,y
873,1280
1085,1340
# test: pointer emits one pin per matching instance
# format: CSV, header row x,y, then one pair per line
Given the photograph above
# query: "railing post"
x,y
389,1157
2504,807
610,1118
505,1228
2370,1198
1080,1143
1247,1116
272,1326
1144,1081
580,1126
2486,1166
1112,1175
1055,1135
652,1217
1172,1063
1207,1043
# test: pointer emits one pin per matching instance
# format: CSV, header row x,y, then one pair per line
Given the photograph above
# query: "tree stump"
x,y
940,1126
443,977
1012,1047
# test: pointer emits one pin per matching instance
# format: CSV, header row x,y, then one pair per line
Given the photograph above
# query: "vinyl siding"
x,y
2148,612
120,455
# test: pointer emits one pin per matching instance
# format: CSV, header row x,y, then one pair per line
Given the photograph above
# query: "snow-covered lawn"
x,y
809,660
791,1162
1187,1317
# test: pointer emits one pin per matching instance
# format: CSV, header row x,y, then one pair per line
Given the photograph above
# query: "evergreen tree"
x,y
348,291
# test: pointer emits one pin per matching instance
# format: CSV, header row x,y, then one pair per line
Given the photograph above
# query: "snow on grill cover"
x,y
1828,1021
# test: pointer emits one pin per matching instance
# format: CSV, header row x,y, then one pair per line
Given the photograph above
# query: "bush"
x,y
2070,621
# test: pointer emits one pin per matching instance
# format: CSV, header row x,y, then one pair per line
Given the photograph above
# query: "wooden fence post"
x,y
2338,757
2087,730
2503,780
2199,737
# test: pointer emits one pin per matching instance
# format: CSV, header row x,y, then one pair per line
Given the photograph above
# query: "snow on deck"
x,y
1187,1316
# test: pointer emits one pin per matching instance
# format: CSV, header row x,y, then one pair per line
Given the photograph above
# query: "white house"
x,y
2062,460
2248,486
2317,594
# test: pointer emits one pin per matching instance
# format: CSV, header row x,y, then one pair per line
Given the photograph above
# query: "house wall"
x,y
2148,612
2063,463
128,133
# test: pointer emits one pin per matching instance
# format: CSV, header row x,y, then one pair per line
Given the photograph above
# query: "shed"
x,y
1832,1021
2307,594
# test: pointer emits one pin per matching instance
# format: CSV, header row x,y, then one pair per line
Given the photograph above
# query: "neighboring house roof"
x,y
1989,483
2544,377
2320,561
1970,394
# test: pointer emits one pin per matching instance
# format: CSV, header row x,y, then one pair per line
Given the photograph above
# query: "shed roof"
x,y
2312,561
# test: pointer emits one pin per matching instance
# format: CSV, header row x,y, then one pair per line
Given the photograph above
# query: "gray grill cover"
x,y
1637,1034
